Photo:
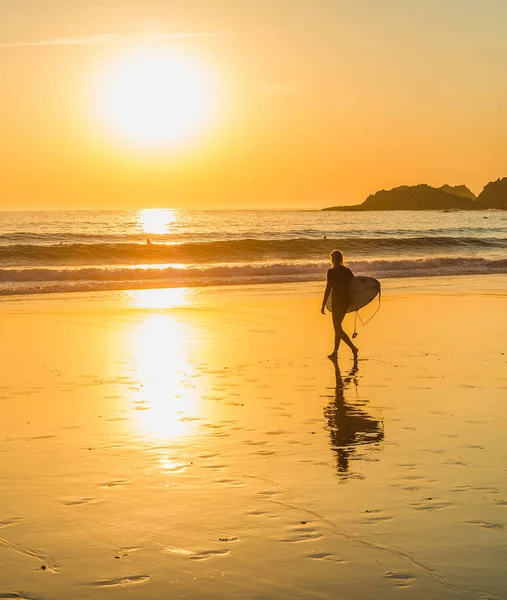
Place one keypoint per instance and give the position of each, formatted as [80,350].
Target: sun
[157,98]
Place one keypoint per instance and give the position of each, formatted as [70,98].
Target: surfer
[338,281]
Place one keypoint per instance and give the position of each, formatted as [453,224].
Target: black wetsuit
[339,278]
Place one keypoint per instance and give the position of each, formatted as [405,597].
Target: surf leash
[363,323]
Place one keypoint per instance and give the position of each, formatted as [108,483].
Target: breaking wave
[42,280]
[243,250]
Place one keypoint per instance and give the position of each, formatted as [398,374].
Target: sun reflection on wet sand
[161,298]
[165,403]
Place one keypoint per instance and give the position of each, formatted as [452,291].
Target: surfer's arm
[327,291]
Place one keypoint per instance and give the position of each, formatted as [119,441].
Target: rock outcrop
[415,197]
[494,195]
[426,197]
[458,190]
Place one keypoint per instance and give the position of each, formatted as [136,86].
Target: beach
[197,443]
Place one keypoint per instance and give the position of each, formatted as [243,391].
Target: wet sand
[199,444]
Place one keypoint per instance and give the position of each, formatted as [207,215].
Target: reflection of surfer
[348,425]
[338,281]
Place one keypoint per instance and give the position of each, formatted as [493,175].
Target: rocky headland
[426,197]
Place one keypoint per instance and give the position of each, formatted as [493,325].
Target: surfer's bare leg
[338,316]
[349,343]
[338,330]
[337,339]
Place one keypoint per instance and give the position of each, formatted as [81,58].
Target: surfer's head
[336,258]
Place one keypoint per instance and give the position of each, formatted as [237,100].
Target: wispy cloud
[107,38]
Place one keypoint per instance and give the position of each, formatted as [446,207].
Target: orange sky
[320,101]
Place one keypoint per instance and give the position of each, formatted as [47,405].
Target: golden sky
[311,102]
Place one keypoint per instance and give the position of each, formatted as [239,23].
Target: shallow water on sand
[199,445]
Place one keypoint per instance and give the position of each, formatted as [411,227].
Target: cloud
[107,38]
[82,41]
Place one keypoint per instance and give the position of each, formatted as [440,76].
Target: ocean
[42,252]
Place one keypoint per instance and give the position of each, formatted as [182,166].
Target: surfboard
[362,291]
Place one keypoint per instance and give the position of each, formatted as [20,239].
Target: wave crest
[36,280]
[244,250]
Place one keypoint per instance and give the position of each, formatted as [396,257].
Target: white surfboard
[362,291]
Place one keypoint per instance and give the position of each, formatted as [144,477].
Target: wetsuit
[339,278]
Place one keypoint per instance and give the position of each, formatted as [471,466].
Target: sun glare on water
[157,98]
[156,220]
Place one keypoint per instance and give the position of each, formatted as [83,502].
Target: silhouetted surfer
[338,282]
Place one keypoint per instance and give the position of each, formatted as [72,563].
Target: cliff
[458,190]
[415,197]
[426,197]
[494,195]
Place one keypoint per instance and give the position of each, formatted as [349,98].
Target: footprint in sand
[216,467]
[7,522]
[375,516]
[326,556]
[231,482]
[475,488]
[255,443]
[127,551]
[457,463]
[114,483]
[486,525]
[268,493]
[430,504]
[121,582]
[302,532]
[257,513]
[204,555]
[79,501]
[399,579]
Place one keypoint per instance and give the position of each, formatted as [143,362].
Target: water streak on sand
[382,548]
[46,560]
